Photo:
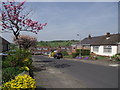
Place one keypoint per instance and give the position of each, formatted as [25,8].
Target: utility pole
[80,44]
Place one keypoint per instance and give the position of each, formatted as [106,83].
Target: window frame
[96,48]
[107,49]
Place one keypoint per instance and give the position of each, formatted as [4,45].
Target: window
[107,49]
[63,48]
[96,48]
[45,48]
[39,48]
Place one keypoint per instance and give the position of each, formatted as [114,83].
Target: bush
[27,62]
[16,58]
[116,57]
[74,55]
[10,73]
[68,56]
[83,52]
[64,53]
[20,82]
[118,54]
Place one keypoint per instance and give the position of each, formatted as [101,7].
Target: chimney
[108,34]
[89,36]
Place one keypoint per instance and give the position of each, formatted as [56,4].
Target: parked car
[58,55]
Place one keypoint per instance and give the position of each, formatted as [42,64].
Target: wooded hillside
[57,43]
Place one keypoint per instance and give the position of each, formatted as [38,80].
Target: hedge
[83,52]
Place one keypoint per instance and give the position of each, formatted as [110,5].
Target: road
[74,74]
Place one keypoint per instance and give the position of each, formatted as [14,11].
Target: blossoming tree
[25,41]
[14,20]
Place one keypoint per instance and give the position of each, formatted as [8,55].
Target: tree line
[57,43]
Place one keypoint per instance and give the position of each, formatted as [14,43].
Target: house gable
[112,39]
[4,45]
[106,45]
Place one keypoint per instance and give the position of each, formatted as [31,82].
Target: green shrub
[6,63]
[27,62]
[16,58]
[9,73]
[116,57]
[83,52]
[74,55]
[68,56]
[118,54]
[65,53]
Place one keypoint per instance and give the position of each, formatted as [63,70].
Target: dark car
[58,55]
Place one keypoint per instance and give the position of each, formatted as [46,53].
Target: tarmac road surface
[60,73]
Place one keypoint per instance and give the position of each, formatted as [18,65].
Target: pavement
[105,62]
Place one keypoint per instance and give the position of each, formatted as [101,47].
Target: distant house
[106,45]
[4,45]
[41,50]
[65,48]
[74,47]
[46,50]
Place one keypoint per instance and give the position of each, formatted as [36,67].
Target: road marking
[114,65]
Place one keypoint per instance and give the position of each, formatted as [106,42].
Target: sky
[67,19]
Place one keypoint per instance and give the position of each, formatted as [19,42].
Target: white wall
[101,49]
[118,48]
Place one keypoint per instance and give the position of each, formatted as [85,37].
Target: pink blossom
[39,28]
[44,24]
[11,8]
[8,6]
[22,3]
[5,6]
[3,2]
[12,13]
[34,22]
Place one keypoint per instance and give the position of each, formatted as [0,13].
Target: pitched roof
[3,40]
[112,39]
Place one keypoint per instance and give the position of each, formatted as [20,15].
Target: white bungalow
[105,45]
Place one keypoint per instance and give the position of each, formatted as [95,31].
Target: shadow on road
[43,61]
[40,68]
[61,65]
[40,88]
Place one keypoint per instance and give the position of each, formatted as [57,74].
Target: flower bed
[85,58]
[15,63]
[20,82]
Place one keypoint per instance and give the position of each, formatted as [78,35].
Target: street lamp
[80,44]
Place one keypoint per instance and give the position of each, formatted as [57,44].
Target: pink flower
[5,6]
[3,2]
[22,3]
[44,24]
[19,20]
[11,8]
[39,28]
[8,6]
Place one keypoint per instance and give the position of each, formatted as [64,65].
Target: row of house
[105,45]
[46,49]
